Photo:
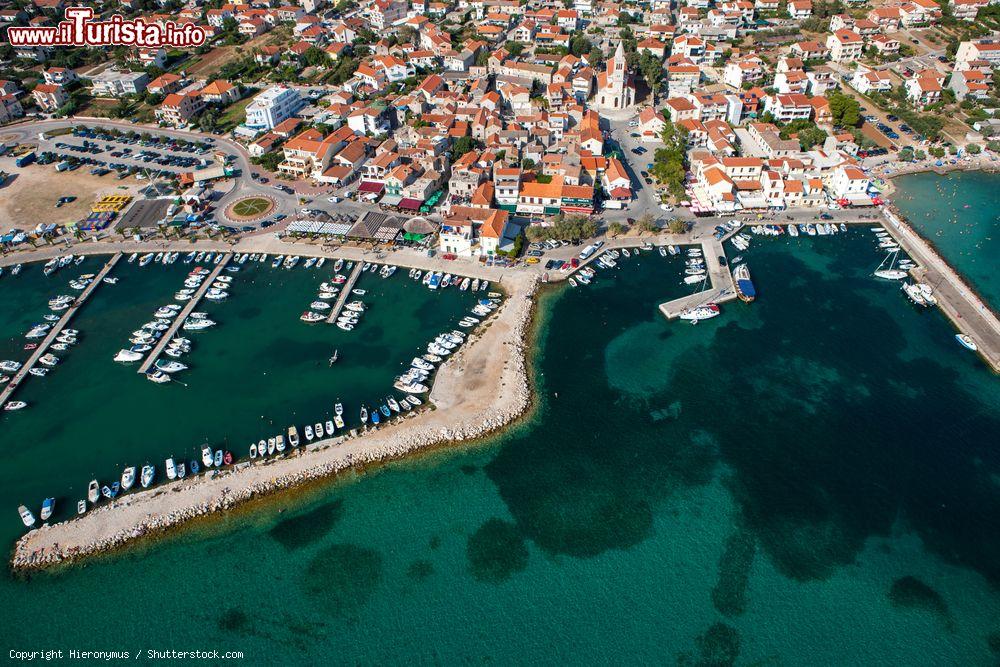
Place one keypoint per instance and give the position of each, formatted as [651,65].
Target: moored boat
[744,286]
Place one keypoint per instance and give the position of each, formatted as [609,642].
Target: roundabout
[250,209]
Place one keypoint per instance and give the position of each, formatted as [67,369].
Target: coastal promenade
[722,288]
[188,308]
[955,299]
[15,381]
[345,292]
[482,387]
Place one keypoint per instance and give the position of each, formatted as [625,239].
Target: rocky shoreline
[154,512]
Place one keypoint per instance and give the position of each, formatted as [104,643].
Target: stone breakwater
[482,388]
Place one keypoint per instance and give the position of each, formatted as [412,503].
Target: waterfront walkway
[188,308]
[345,292]
[721,279]
[955,299]
[15,381]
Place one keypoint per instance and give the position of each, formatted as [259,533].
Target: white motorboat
[170,366]
[127,356]
[148,473]
[271,445]
[159,377]
[410,387]
[319,305]
[10,406]
[699,313]
[93,491]
[171,469]
[128,478]
[27,518]
[329,427]
[308,430]
[310,316]
[197,324]
[206,456]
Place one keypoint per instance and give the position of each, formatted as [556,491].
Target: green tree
[462,146]
[846,110]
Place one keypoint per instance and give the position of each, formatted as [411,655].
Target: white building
[272,107]
[112,83]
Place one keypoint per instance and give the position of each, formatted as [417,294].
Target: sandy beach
[477,391]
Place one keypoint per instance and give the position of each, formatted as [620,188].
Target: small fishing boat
[48,506]
[279,444]
[270,446]
[253,450]
[218,458]
[148,473]
[27,518]
[128,478]
[93,491]
[364,414]
[81,506]
[293,436]
[181,470]
[206,456]
[308,430]
[171,469]
[227,457]
[329,427]
[194,467]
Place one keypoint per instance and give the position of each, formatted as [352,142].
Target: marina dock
[345,293]
[721,278]
[39,351]
[154,354]
[955,299]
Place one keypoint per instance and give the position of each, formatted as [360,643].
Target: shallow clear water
[958,213]
[810,479]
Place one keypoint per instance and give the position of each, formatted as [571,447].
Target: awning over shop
[391,200]
[371,186]
[410,204]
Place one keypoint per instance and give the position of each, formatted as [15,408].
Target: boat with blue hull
[744,286]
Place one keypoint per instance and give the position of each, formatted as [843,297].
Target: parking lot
[126,154]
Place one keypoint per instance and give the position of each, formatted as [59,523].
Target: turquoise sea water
[958,213]
[808,480]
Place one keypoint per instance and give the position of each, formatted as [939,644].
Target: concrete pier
[721,278]
[955,299]
[345,292]
[188,308]
[15,381]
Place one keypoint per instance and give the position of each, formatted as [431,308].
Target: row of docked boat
[328,291]
[160,258]
[351,315]
[439,280]
[130,476]
[56,263]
